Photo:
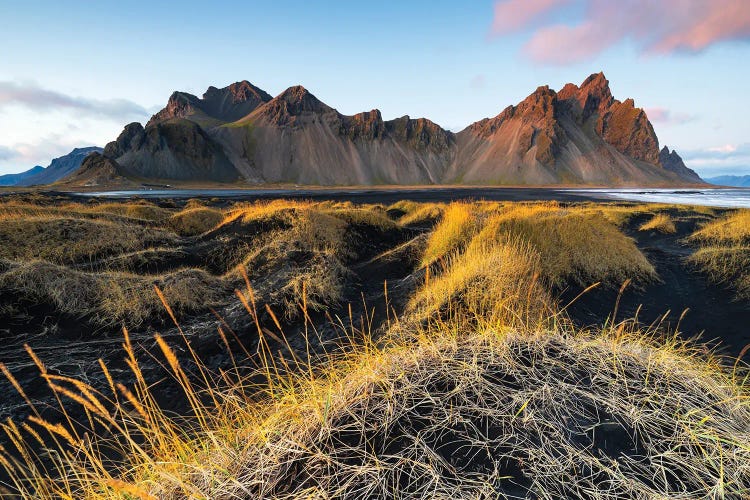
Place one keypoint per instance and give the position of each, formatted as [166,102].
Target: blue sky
[74,73]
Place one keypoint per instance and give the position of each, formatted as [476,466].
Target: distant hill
[57,169]
[580,135]
[15,179]
[730,180]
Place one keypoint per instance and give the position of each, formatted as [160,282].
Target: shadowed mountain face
[579,135]
[673,162]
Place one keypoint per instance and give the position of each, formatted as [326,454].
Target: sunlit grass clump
[464,408]
[724,251]
[660,223]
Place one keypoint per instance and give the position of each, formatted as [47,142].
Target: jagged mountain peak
[218,105]
[672,162]
[300,99]
[241,91]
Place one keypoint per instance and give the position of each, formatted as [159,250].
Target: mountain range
[730,180]
[579,135]
[57,169]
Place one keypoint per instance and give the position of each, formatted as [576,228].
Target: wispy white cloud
[719,160]
[664,26]
[21,155]
[34,97]
[725,149]
[665,116]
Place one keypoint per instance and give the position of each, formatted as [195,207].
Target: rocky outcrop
[673,162]
[177,149]
[580,135]
[98,170]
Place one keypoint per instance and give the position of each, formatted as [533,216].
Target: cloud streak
[44,100]
[667,117]
[720,160]
[654,27]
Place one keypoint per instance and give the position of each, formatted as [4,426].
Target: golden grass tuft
[661,223]
[724,251]
[454,229]
[731,229]
[572,245]
[418,214]
[726,265]
[195,221]
[496,280]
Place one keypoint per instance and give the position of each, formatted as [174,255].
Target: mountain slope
[297,138]
[673,162]
[580,135]
[16,179]
[176,149]
[57,169]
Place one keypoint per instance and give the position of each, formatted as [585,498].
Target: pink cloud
[667,117]
[652,26]
[515,15]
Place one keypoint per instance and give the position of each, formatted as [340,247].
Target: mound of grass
[729,266]
[573,246]
[308,249]
[484,411]
[417,214]
[454,229]
[724,251]
[141,211]
[195,221]
[661,223]
[490,279]
[67,240]
[732,229]
[110,298]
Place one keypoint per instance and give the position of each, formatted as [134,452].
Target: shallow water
[729,198]
[713,197]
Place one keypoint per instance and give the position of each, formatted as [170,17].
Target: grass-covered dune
[474,382]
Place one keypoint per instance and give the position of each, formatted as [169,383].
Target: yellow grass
[454,229]
[726,265]
[412,415]
[731,229]
[70,239]
[111,297]
[724,251]
[195,221]
[573,245]
[481,389]
[661,223]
